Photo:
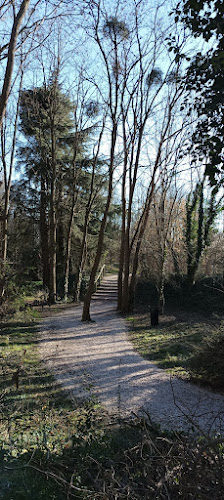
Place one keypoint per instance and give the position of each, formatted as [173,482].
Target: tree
[95,187]
[21,21]
[205,77]
[200,216]
[10,48]
[46,122]
[163,248]
[147,90]
[116,32]
[7,182]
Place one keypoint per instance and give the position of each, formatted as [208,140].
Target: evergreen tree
[45,115]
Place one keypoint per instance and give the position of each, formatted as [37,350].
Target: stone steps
[107,289]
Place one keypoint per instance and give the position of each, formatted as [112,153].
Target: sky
[69,39]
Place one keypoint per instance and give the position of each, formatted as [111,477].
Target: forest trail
[97,359]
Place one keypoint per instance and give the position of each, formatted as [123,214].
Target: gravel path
[97,358]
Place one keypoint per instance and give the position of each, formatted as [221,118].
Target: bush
[205,295]
[207,362]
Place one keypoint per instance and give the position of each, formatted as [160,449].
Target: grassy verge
[52,449]
[190,346]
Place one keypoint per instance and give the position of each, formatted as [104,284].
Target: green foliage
[186,344]
[205,296]
[200,216]
[54,449]
[205,77]
[206,363]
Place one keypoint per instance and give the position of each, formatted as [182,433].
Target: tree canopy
[205,77]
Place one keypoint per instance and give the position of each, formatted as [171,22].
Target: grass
[54,449]
[179,344]
[35,415]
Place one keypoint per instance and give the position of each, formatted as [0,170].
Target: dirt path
[97,358]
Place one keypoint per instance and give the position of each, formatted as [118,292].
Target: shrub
[207,362]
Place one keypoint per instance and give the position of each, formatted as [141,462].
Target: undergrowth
[191,348]
[52,448]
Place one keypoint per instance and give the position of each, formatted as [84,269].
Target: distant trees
[45,115]
[163,251]
[201,212]
[117,118]
[180,230]
[54,160]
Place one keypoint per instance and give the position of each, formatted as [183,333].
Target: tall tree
[146,90]
[110,34]
[46,122]
[200,215]
[7,182]
[10,49]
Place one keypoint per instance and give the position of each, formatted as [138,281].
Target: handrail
[98,278]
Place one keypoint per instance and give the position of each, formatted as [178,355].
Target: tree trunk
[53,222]
[67,257]
[10,58]
[139,242]
[86,306]
[68,247]
[44,236]
[81,262]
[4,244]
[122,247]
[7,189]
[82,256]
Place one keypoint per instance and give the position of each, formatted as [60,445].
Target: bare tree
[7,181]
[148,93]
[107,29]
[10,48]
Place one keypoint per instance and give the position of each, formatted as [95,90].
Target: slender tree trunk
[82,256]
[44,235]
[4,245]
[60,230]
[7,189]
[127,247]
[122,247]
[123,203]
[121,268]
[130,303]
[68,247]
[10,58]
[81,261]
[139,241]
[86,306]
[53,222]
[67,258]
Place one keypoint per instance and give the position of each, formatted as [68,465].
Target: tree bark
[7,189]
[10,58]
[53,222]
[81,263]
[86,306]
[44,234]
[68,246]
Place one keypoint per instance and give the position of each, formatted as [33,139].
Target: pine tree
[45,115]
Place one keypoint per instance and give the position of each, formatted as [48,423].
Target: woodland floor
[97,360]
